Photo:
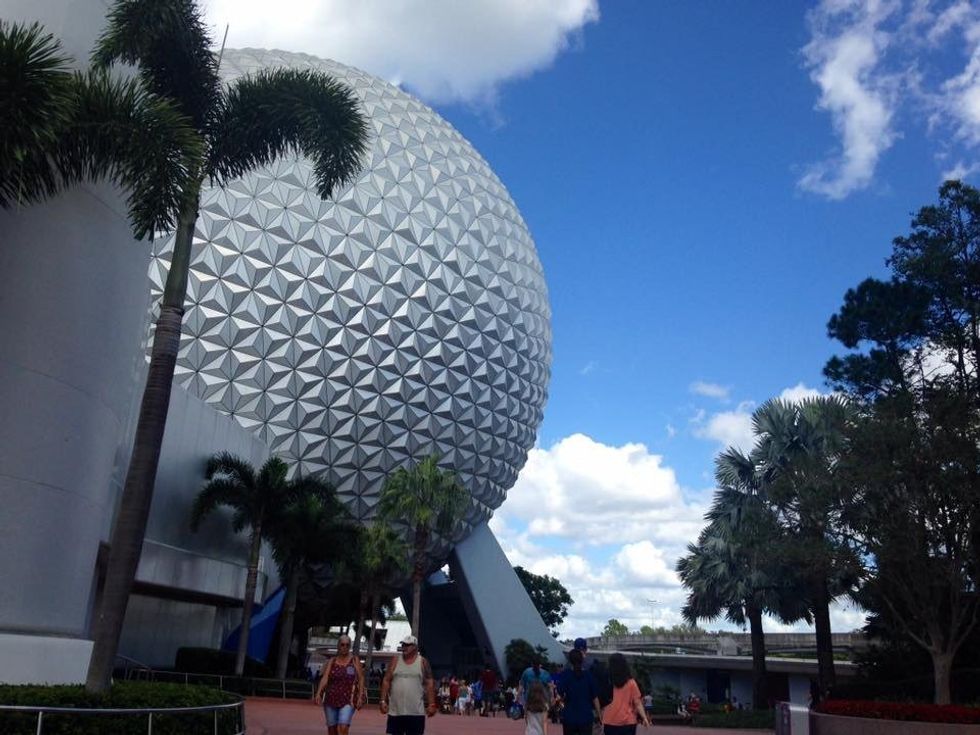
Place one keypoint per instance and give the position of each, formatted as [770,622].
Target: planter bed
[844,717]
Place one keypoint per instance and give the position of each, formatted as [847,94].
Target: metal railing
[129,665]
[250,686]
[237,708]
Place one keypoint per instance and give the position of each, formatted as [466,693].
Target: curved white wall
[72,313]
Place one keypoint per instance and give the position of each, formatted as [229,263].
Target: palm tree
[59,127]
[311,527]
[385,560]
[427,499]
[793,466]
[349,572]
[235,130]
[255,497]
[734,569]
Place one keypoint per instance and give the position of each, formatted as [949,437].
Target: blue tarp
[263,627]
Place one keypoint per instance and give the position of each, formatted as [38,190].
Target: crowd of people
[481,694]
[584,696]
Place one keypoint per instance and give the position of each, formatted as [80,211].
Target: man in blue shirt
[577,688]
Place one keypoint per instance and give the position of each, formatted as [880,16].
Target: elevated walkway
[726,644]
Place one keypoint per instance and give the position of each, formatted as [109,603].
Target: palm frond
[219,491]
[274,112]
[139,141]
[35,109]
[58,128]
[272,475]
[226,463]
[736,469]
[169,43]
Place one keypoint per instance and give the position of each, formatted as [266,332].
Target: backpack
[600,672]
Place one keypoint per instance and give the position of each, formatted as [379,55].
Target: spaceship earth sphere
[408,315]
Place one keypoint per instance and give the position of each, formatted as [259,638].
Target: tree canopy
[913,371]
[549,596]
[427,499]
[519,654]
[615,627]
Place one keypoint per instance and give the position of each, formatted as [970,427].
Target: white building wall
[72,311]
[799,689]
[741,687]
[156,628]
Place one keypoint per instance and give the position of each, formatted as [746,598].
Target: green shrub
[748,719]
[519,654]
[663,707]
[215,661]
[121,695]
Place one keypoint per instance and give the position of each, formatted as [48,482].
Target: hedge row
[121,695]
[948,713]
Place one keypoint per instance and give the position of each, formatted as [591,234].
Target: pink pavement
[297,717]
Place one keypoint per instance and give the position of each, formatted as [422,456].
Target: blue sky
[703,182]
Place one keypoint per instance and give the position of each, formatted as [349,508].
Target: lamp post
[653,610]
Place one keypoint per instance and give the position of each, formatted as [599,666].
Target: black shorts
[567,729]
[405,725]
[619,729]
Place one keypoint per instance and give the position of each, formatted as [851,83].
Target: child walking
[536,709]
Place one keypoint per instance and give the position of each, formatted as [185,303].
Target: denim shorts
[339,715]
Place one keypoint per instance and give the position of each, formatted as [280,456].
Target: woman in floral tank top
[341,689]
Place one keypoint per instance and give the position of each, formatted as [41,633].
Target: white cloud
[734,428]
[960,170]
[730,428]
[588,368]
[960,97]
[709,390]
[643,564]
[956,15]
[594,494]
[609,522]
[798,392]
[844,53]
[879,63]
[445,50]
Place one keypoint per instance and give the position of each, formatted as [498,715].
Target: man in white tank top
[408,691]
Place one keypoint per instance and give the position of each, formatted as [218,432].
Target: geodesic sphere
[409,315]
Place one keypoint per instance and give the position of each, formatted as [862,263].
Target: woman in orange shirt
[621,716]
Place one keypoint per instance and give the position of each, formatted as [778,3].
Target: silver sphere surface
[408,315]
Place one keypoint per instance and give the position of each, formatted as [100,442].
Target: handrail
[40,711]
[246,684]
[120,710]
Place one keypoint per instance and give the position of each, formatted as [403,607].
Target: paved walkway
[295,717]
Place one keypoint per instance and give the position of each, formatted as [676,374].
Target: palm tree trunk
[416,604]
[375,602]
[825,643]
[129,527]
[359,626]
[251,582]
[760,693]
[288,616]
[421,543]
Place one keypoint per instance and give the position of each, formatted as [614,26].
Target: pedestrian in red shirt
[490,683]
